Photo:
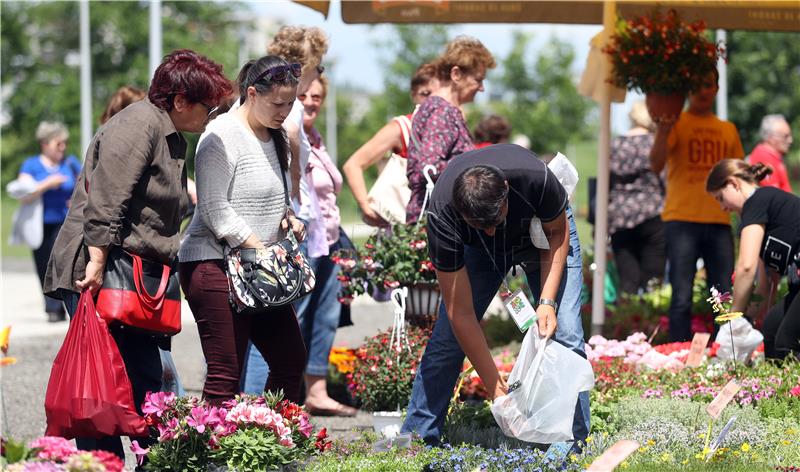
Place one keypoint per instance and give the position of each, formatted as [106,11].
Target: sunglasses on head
[280,73]
[320,69]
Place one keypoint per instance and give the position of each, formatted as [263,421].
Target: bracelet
[547,301]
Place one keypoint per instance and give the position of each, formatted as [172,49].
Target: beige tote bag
[390,194]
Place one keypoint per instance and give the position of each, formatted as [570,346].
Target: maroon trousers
[224,335]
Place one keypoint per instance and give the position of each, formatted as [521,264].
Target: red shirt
[768,156]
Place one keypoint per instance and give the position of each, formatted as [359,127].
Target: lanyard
[505,262]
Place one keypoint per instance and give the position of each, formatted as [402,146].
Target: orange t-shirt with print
[695,144]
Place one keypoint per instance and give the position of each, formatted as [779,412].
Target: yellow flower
[588,440]
[686,461]
[650,442]
[745,447]
[666,457]
[786,442]
[4,334]
[791,431]
[736,453]
[624,464]
[643,449]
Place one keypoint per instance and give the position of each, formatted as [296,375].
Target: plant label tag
[698,349]
[520,309]
[722,434]
[722,399]
[613,456]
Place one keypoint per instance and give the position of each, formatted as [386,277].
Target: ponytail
[725,169]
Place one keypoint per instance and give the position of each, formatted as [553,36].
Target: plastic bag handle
[153,302]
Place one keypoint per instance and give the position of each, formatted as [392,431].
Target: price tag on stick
[613,456]
[698,349]
[722,399]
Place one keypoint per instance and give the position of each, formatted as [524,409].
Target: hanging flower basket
[663,57]
[664,107]
[422,305]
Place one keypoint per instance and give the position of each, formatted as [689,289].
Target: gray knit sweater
[239,191]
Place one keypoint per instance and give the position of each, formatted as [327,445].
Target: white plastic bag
[745,340]
[542,408]
[567,175]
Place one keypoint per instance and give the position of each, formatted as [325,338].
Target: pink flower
[306,428]
[138,452]
[157,403]
[261,415]
[168,431]
[286,441]
[110,461]
[53,448]
[198,419]
[240,413]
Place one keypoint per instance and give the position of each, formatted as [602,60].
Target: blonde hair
[303,44]
[726,169]
[639,115]
[50,130]
[123,97]
[466,53]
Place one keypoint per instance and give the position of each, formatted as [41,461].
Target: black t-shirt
[779,212]
[533,191]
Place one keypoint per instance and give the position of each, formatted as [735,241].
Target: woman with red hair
[134,170]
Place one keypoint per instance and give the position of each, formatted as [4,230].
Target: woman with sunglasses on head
[240,169]
[439,131]
[769,248]
[130,196]
[391,138]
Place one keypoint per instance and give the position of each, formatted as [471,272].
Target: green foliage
[763,78]
[359,455]
[40,50]
[539,98]
[252,449]
[190,455]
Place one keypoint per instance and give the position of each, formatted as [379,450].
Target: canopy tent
[720,14]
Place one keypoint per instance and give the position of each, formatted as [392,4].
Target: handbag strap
[154,302]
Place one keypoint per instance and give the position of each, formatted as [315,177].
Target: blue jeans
[443,358]
[685,243]
[318,315]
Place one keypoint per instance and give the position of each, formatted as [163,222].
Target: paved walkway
[35,342]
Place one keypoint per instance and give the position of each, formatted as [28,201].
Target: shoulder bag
[274,276]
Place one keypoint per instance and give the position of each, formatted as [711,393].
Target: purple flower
[306,428]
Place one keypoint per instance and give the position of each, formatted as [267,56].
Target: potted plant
[382,376]
[389,259]
[663,57]
[247,433]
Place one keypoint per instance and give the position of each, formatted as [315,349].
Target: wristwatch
[547,301]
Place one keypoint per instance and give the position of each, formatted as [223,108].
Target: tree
[763,78]
[539,98]
[40,51]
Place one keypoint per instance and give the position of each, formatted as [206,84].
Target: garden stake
[463,376]
[708,435]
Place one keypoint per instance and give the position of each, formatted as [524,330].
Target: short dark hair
[423,75]
[479,194]
[492,129]
[184,72]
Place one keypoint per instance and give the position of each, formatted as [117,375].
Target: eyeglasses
[320,69]
[211,110]
[280,73]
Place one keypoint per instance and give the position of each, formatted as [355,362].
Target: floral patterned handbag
[273,276]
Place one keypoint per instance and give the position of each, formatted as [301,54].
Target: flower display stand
[422,308]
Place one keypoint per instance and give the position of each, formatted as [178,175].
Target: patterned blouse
[636,194]
[438,134]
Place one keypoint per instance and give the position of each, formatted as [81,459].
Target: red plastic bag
[89,394]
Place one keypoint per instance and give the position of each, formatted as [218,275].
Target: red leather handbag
[125,296]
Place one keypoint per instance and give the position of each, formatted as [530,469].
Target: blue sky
[351,45]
